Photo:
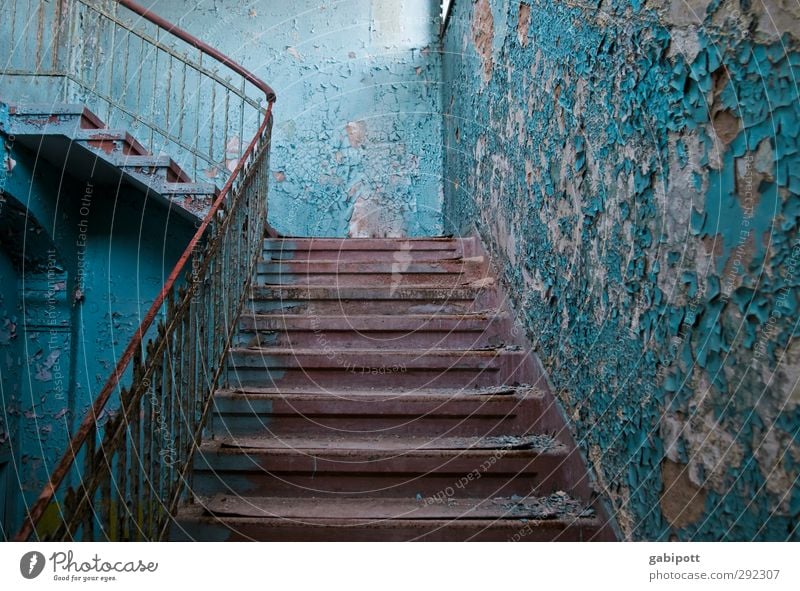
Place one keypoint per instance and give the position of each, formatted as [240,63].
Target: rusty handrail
[201,45]
[90,422]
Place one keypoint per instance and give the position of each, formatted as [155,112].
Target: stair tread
[541,444]
[382,393]
[555,506]
[340,261]
[485,315]
[354,291]
[315,351]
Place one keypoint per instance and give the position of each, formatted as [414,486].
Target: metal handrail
[238,178]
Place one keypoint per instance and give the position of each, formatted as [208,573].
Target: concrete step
[455,412]
[154,167]
[329,368]
[110,141]
[552,518]
[362,249]
[49,116]
[354,300]
[388,466]
[429,331]
[359,273]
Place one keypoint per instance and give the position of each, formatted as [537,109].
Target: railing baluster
[89,455]
[135,467]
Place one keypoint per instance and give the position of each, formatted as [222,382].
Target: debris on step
[556,506]
[537,442]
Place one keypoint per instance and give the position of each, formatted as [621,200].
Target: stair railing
[137,71]
[127,465]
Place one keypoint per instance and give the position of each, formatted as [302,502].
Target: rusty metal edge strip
[90,420]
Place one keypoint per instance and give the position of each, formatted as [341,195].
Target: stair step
[395,274]
[362,249]
[110,141]
[49,114]
[555,506]
[161,167]
[310,267]
[435,412]
[344,244]
[454,331]
[354,300]
[373,466]
[373,367]
[194,522]
[383,443]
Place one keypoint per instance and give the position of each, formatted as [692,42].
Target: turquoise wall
[635,169]
[80,264]
[357,137]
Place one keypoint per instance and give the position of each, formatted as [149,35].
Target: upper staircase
[77,141]
[376,392]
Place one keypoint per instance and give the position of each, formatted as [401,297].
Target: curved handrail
[201,45]
[89,422]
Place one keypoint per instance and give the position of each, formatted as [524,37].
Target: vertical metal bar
[182,102]
[110,91]
[212,117]
[155,443]
[96,60]
[179,382]
[56,48]
[125,65]
[225,133]
[139,76]
[241,118]
[166,426]
[153,101]
[196,146]
[88,524]
[168,99]
[136,466]
[39,38]
[147,449]
[121,483]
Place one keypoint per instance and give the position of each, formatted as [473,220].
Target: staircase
[74,139]
[376,392]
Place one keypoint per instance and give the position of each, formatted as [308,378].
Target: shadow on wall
[636,172]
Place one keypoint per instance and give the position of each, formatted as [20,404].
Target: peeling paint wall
[357,139]
[79,269]
[635,168]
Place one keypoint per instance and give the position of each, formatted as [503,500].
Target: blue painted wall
[80,264]
[357,138]
[635,169]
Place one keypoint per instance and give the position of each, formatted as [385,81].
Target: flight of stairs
[74,139]
[376,393]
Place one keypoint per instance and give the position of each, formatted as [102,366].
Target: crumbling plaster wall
[357,137]
[634,167]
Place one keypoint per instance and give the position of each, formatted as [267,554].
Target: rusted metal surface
[121,479]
